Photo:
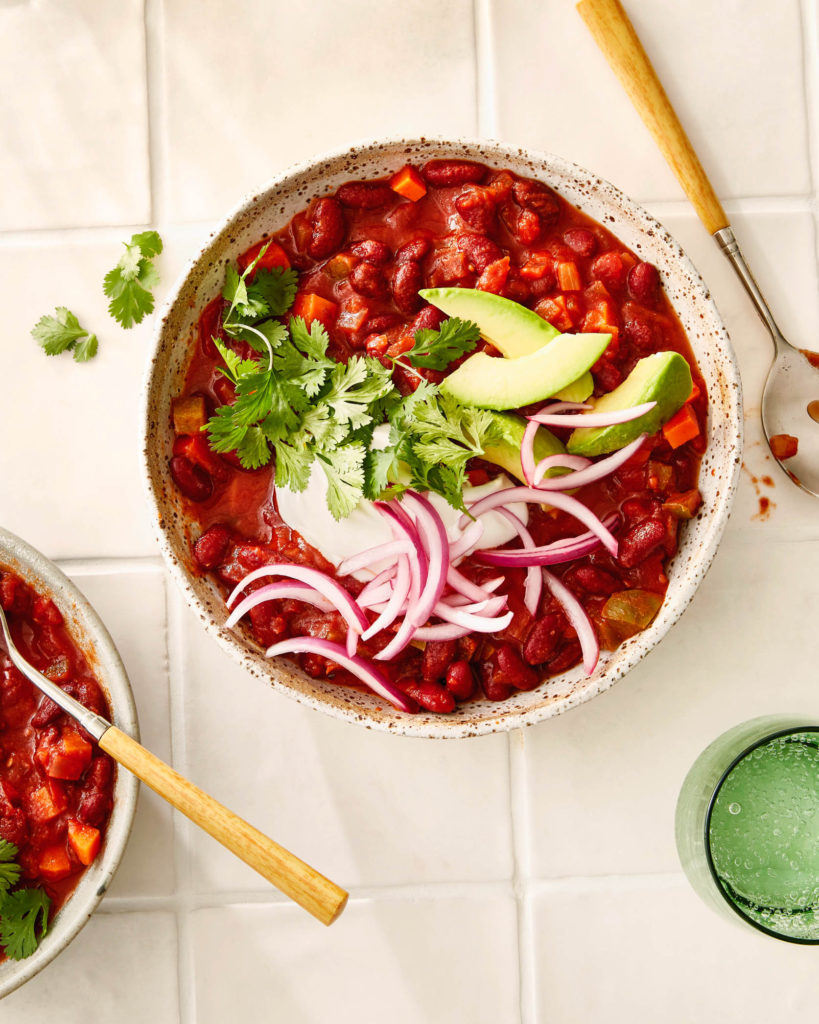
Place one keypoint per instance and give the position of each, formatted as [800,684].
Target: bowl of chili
[367,228]
[65,809]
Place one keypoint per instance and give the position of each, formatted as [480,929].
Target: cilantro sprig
[129,285]
[62,332]
[21,910]
[435,350]
[293,401]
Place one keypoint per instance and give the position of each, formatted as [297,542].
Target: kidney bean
[460,680]
[95,801]
[437,656]
[429,318]
[580,241]
[607,375]
[416,250]
[452,172]
[639,541]
[382,322]
[543,639]
[372,251]
[406,281]
[476,205]
[644,283]
[87,692]
[635,510]
[564,659]
[640,333]
[593,580]
[533,196]
[327,228]
[517,288]
[431,696]
[365,195]
[193,481]
[514,670]
[210,549]
[479,250]
[610,270]
[368,279]
[46,713]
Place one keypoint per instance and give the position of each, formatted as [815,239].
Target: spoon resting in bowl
[303,884]
[790,400]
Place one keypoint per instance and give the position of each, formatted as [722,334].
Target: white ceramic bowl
[268,211]
[93,638]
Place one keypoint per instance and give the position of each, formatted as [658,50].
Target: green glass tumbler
[747,826]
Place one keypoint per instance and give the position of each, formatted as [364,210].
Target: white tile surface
[445,846]
[78,475]
[435,961]
[368,808]
[744,112]
[73,118]
[649,950]
[121,967]
[319,79]
[602,781]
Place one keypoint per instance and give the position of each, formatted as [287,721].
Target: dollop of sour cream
[307,512]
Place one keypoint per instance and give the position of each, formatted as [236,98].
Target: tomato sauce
[56,785]
[363,254]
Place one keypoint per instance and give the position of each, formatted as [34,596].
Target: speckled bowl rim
[95,641]
[291,190]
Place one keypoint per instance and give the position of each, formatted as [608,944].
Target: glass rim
[777,734]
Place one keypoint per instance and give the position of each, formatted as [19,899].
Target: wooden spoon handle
[615,35]
[311,890]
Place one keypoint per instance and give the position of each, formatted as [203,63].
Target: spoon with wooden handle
[311,890]
[790,400]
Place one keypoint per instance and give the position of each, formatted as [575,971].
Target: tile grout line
[809,17]
[153,19]
[184,901]
[519,826]
[485,91]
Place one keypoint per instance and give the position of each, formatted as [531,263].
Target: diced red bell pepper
[408,183]
[84,841]
[312,307]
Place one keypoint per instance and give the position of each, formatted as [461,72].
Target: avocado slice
[492,383]
[513,329]
[664,378]
[506,453]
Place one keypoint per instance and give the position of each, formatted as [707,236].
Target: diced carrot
[340,265]
[274,256]
[46,803]
[568,276]
[682,427]
[537,266]
[55,863]
[189,414]
[596,322]
[695,392]
[70,756]
[408,183]
[555,310]
[313,307]
[628,260]
[84,840]
[784,446]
